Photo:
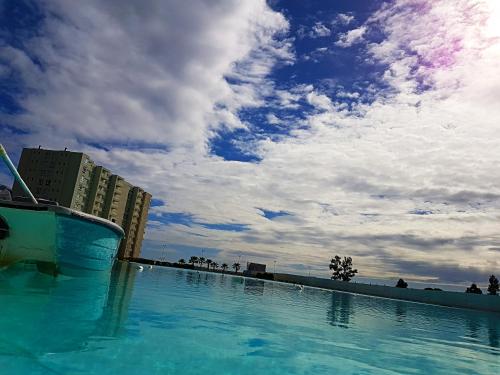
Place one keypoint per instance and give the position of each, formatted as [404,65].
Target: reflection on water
[253,286]
[401,310]
[493,333]
[477,326]
[341,310]
[61,314]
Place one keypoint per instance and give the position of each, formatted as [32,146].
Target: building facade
[73,180]
[254,269]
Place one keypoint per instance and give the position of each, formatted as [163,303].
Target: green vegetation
[342,268]
[211,264]
[474,289]
[493,287]
[401,284]
[236,267]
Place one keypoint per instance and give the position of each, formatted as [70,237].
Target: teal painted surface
[85,244]
[55,238]
[169,321]
[31,236]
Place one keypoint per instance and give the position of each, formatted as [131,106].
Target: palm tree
[193,260]
[215,265]
[201,261]
[224,267]
[181,261]
[236,267]
[208,261]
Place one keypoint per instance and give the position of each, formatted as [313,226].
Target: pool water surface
[172,321]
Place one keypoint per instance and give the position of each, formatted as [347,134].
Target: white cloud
[120,72]
[348,95]
[351,37]
[319,30]
[344,18]
[353,179]
[273,119]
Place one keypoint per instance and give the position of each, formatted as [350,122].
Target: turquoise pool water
[169,321]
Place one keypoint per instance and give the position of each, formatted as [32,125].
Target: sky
[279,132]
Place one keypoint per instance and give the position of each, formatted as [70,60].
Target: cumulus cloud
[351,37]
[352,177]
[118,72]
[344,18]
[319,30]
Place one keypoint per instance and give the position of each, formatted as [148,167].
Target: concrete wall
[442,298]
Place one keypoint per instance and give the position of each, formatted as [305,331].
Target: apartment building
[73,180]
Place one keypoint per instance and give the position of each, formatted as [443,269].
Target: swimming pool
[171,321]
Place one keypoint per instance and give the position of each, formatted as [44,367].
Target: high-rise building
[73,180]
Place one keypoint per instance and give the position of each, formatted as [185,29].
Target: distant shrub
[401,284]
[493,287]
[474,289]
[438,289]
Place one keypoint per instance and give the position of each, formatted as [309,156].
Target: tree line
[211,264]
[342,270]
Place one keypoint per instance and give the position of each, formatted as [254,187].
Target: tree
[493,287]
[215,265]
[401,284]
[342,268]
[236,267]
[193,260]
[224,267]
[201,261]
[474,289]
[208,261]
[181,261]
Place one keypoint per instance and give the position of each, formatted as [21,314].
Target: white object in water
[299,287]
[150,267]
[140,268]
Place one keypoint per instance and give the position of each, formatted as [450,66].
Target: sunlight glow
[493,23]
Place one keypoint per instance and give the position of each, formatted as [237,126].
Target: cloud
[351,37]
[155,74]
[354,165]
[319,30]
[344,18]
[273,119]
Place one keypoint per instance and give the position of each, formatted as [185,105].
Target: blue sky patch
[421,212]
[268,214]
[226,227]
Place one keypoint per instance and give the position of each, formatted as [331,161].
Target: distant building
[73,180]
[254,268]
